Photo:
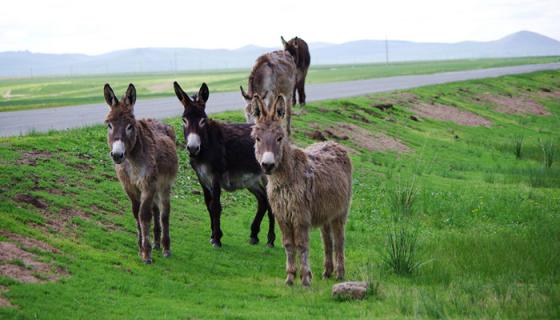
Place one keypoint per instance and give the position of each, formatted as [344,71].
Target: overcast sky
[100,26]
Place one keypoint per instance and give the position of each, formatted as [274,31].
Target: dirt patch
[514,104]
[30,158]
[547,93]
[4,303]
[396,98]
[27,198]
[24,266]
[28,243]
[8,95]
[159,87]
[360,137]
[447,113]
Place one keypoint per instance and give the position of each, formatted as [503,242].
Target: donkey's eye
[258,139]
[202,122]
[129,128]
[279,139]
[109,126]
[186,122]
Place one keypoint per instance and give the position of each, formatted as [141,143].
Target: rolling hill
[25,63]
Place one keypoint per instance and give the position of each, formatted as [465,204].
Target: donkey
[273,73]
[300,51]
[223,157]
[309,187]
[146,164]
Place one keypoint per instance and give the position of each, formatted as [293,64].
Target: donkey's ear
[129,98]
[258,109]
[279,106]
[244,94]
[203,93]
[284,43]
[181,95]
[110,97]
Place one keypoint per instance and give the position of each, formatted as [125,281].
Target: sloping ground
[487,224]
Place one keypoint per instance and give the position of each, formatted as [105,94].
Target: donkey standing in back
[146,164]
[273,74]
[223,156]
[309,187]
[300,51]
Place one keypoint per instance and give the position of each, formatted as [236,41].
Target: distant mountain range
[25,63]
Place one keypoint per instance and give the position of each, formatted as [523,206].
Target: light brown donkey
[273,74]
[306,188]
[146,164]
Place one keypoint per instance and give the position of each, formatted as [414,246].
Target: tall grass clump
[401,251]
[549,151]
[517,145]
[402,199]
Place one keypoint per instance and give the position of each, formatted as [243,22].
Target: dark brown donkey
[223,157]
[146,164]
[300,51]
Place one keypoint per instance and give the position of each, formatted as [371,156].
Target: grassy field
[19,94]
[482,215]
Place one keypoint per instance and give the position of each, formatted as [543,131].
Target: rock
[316,135]
[350,290]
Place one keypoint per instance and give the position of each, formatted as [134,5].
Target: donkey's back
[330,172]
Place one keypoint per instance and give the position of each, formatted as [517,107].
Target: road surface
[41,120]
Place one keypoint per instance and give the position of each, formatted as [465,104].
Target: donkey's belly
[240,181]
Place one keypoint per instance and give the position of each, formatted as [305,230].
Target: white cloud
[101,25]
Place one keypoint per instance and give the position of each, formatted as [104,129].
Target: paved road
[41,120]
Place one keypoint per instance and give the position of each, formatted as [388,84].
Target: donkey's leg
[208,201]
[326,234]
[135,201]
[261,209]
[338,232]
[216,212]
[271,233]
[301,236]
[165,213]
[157,228]
[290,249]
[301,92]
[146,207]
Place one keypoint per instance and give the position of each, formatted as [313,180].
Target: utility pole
[386,50]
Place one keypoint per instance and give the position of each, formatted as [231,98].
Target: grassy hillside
[486,222]
[19,94]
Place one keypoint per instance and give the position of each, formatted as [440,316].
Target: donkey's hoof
[166,253]
[327,274]
[148,261]
[253,241]
[270,244]
[216,243]
[156,246]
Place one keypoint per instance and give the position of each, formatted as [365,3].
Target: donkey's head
[250,108]
[121,124]
[292,47]
[268,132]
[194,117]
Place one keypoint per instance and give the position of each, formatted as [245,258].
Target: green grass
[487,231]
[45,92]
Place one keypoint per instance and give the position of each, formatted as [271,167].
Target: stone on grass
[350,290]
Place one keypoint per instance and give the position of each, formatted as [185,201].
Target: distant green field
[483,205]
[19,94]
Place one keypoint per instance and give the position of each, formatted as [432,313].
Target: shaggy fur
[309,187]
[146,168]
[300,51]
[273,74]
[224,159]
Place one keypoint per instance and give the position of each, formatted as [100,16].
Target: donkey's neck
[288,167]
[139,152]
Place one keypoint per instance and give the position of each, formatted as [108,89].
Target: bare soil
[514,104]
[23,266]
[30,158]
[447,113]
